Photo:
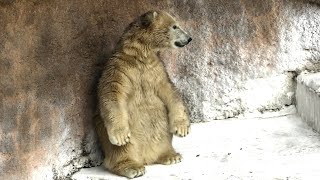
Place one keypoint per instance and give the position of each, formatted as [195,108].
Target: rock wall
[244,55]
[243,58]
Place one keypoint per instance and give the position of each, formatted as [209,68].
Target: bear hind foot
[128,169]
[170,158]
[134,172]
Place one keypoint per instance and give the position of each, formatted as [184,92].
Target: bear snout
[183,43]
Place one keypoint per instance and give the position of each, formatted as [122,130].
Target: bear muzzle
[182,43]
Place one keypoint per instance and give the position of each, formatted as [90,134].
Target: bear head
[157,30]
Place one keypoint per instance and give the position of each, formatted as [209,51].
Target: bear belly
[148,117]
[148,121]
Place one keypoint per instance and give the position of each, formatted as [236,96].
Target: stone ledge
[311,80]
[255,148]
[308,99]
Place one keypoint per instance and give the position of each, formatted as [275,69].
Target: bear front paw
[119,136]
[181,129]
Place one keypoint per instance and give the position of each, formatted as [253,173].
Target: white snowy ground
[265,148]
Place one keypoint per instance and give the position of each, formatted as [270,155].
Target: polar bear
[139,107]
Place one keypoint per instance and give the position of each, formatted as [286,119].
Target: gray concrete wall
[241,60]
[308,99]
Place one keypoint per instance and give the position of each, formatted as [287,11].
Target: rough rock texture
[245,54]
[310,80]
[242,59]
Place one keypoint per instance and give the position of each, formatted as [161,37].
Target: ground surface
[254,148]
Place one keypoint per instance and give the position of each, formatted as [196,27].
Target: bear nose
[189,40]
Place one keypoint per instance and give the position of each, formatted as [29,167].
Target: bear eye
[174,27]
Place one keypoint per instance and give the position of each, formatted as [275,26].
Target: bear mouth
[179,44]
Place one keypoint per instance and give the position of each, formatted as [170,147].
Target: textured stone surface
[244,47]
[51,52]
[310,80]
[308,98]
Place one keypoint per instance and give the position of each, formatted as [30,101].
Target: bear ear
[148,18]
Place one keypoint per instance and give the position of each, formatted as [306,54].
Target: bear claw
[171,159]
[181,130]
[120,137]
[134,172]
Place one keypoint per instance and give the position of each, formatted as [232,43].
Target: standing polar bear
[139,108]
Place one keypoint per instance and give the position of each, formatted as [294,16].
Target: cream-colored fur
[139,108]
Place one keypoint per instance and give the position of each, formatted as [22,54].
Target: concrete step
[308,98]
[255,148]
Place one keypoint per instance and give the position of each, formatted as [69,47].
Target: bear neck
[138,49]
